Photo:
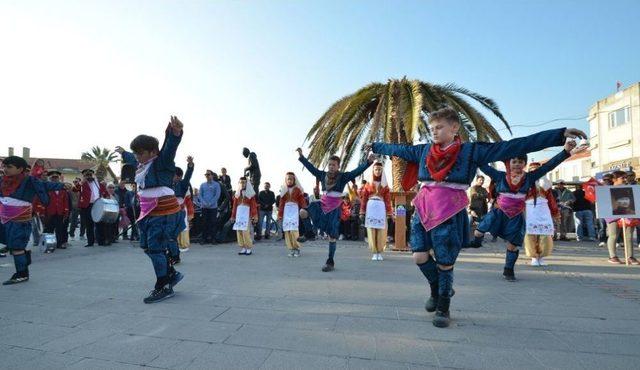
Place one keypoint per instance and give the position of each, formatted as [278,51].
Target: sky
[74,74]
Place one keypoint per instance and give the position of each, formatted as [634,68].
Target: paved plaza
[82,309]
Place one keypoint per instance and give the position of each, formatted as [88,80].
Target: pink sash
[329,203]
[9,213]
[436,204]
[511,206]
[147,205]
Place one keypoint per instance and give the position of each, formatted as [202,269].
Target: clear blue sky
[259,73]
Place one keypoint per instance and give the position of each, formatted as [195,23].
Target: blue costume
[329,222]
[159,233]
[497,222]
[15,234]
[447,238]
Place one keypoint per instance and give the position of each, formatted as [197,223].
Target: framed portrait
[621,201]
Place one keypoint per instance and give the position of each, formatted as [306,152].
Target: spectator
[225,180]
[479,196]
[583,216]
[564,198]
[607,180]
[209,196]
[615,226]
[266,199]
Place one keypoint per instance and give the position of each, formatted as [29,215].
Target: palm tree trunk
[398,166]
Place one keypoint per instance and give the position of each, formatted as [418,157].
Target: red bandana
[440,161]
[11,183]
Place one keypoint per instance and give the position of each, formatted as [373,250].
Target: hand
[371,158]
[574,132]
[579,149]
[569,145]
[120,149]
[190,161]
[299,150]
[176,125]
[367,147]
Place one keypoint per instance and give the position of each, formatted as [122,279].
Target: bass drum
[105,210]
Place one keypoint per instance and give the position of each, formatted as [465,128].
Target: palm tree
[396,112]
[101,158]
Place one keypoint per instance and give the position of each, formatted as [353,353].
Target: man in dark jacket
[266,199]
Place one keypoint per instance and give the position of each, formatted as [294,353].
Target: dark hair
[243,178]
[290,173]
[145,142]
[267,183]
[179,171]
[524,158]
[618,174]
[17,162]
[479,177]
[334,158]
[445,114]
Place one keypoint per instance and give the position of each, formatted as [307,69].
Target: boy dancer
[245,199]
[181,187]
[376,193]
[326,213]
[291,201]
[17,191]
[160,219]
[440,226]
[507,220]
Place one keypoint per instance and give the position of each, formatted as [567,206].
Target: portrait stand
[621,202]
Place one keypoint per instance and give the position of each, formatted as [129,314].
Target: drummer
[90,191]
[160,218]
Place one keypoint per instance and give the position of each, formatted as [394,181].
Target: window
[619,117]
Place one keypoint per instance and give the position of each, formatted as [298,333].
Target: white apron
[290,218]
[538,217]
[376,217]
[242,218]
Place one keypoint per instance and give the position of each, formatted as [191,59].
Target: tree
[396,112]
[101,158]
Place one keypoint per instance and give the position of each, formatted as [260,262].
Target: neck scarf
[440,161]
[11,183]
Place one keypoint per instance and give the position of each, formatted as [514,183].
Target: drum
[48,242]
[105,210]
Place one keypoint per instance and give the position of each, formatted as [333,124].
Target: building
[70,168]
[576,168]
[614,124]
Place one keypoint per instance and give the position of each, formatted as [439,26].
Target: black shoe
[62,246]
[432,302]
[49,250]
[18,277]
[301,239]
[176,278]
[508,274]
[441,319]
[158,295]
[328,266]
[89,245]
[3,255]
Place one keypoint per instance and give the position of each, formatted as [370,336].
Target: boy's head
[178,174]
[479,180]
[290,179]
[517,164]
[145,147]
[444,125]
[14,165]
[334,164]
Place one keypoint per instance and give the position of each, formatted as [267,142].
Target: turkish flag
[589,189]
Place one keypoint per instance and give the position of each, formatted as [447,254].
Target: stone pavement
[83,310]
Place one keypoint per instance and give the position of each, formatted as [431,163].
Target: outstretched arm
[492,152]
[411,153]
[314,171]
[127,157]
[495,175]
[351,175]
[187,175]
[172,138]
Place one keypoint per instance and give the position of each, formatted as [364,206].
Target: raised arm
[411,153]
[351,175]
[187,175]
[492,152]
[314,171]
[495,175]
[548,166]
[172,138]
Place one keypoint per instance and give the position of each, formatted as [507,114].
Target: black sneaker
[158,295]
[88,245]
[176,278]
[432,302]
[302,239]
[17,278]
[509,275]
[441,318]
[328,266]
